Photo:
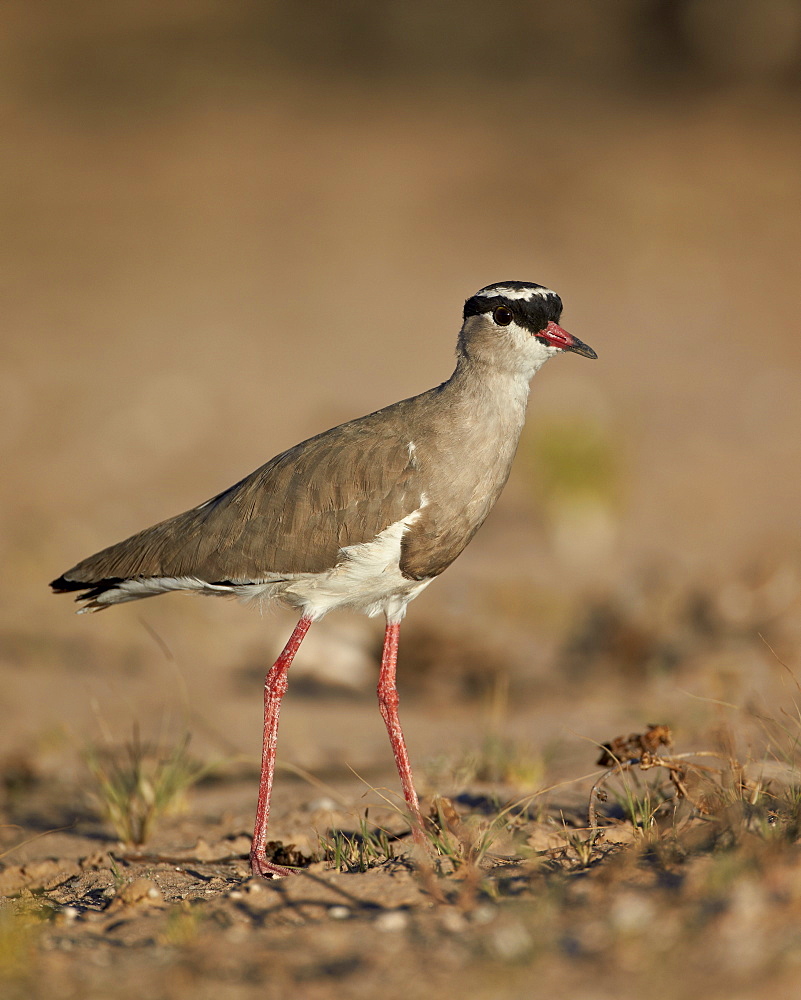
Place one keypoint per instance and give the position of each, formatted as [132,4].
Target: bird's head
[515,325]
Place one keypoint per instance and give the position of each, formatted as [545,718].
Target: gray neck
[476,426]
[473,423]
[488,401]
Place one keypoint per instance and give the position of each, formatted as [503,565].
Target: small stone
[453,921]
[323,804]
[483,915]
[391,921]
[338,912]
[632,913]
[511,942]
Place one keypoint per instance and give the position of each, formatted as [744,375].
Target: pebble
[453,921]
[483,915]
[511,942]
[632,913]
[324,804]
[391,921]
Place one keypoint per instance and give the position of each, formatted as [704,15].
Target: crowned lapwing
[362,516]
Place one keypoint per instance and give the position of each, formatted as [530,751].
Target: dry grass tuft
[369,847]
[138,783]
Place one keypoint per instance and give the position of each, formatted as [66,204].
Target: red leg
[275,686]
[388,703]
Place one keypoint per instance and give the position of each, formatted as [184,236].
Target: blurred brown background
[227,226]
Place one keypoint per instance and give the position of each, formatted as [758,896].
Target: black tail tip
[63,586]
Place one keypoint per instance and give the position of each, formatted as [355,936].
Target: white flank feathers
[367,579]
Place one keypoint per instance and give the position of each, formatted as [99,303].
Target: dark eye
[502,315]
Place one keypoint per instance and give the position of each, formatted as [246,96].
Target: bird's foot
[260,866]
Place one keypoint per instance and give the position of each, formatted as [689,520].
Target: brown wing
[290,516]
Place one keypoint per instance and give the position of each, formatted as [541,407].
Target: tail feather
[86,591]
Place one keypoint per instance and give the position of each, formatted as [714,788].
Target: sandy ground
[188,292]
